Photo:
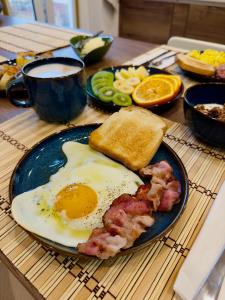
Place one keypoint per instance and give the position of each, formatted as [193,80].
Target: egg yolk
[77,200]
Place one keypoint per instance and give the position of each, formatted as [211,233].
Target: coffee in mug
[53,70]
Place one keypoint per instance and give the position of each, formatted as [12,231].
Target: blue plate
[45,159]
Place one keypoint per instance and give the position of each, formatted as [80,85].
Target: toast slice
[131,136]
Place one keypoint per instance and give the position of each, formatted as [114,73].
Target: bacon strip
[130,215]
[165,189]
[124,222]
[102,244]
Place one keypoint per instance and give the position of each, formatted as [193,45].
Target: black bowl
[111,107]
[209,130]
[96,54]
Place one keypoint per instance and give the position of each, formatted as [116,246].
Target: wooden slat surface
[35,37]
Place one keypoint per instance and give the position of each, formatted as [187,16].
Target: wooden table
[122,50]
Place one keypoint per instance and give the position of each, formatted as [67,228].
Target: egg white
[34,211]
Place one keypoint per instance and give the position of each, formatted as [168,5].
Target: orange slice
[172,78]
[153,91]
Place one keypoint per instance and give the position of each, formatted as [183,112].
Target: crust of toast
[131,136]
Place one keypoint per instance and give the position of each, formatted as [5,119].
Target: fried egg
[72,203]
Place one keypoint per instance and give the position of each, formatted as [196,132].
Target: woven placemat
[147,274]
[35,37]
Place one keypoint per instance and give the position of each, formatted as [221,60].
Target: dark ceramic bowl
[111,107]
[46,158]
[209,130]
[96,54]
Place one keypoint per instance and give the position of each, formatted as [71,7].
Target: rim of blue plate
[58,247]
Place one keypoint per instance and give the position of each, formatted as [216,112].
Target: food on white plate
[92,44]
[131,136]
[194,65]
[130,215]
[67,208]
[212,110]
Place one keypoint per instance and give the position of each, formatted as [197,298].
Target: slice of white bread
[131,136]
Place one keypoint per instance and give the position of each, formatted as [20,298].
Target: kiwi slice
[106,93]
[96,86]
[103,82]
[122,99]
[103,75]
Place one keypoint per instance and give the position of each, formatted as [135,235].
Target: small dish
[111,107]
[45,159]
[96,54]
[209,130]
[198,72]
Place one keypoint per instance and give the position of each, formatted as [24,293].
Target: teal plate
[45,159]
[111,107]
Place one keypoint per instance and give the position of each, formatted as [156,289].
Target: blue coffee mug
[55,99]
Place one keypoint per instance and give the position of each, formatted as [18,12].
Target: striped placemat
[146,274]
[37,37]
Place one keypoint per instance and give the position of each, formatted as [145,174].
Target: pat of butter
[92,44]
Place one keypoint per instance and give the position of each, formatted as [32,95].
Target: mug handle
[17,92]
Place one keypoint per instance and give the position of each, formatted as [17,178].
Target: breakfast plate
[208,65]
[46,158]
[95,101]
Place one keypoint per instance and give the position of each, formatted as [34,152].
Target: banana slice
[125,73]
[132,71]
[142,72]
[133,81]
[123,87]
[119,76]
